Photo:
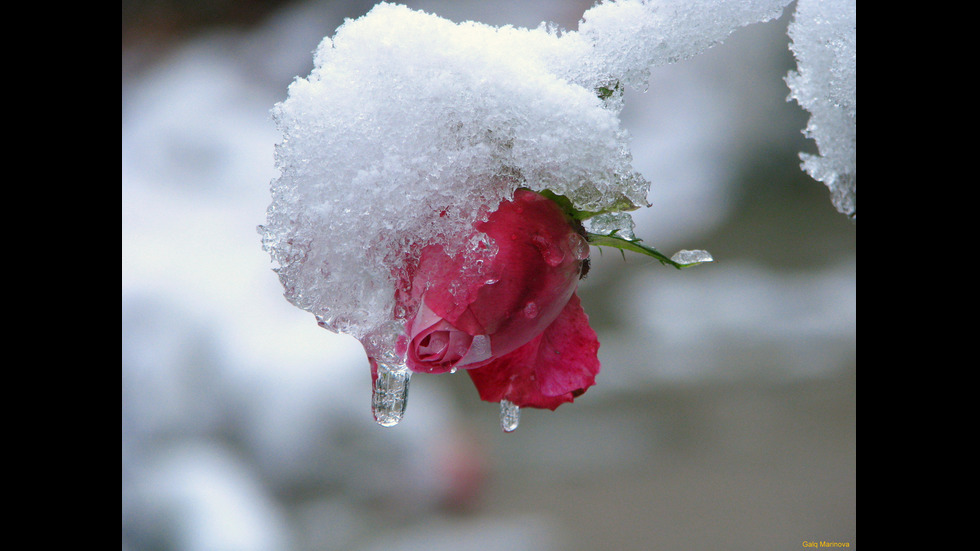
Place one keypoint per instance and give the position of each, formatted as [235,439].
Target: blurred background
[725,414]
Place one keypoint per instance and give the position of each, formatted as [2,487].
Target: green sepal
[636,245]
[621,204]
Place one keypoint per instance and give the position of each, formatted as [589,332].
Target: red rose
[518,328]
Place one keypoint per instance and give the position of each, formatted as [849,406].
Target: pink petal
[436,346]
[555,367]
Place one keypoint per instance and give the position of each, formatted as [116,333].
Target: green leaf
[621,204]
[606,92]
[635,245]
[682,259]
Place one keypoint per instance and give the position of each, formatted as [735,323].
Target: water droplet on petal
[578,246]
[531,310]
[552,254]
[510,415]
[390,395]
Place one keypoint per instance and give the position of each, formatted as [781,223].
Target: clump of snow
[824,40]
[631,37]
[411,127]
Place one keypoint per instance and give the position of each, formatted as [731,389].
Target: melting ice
[510,415]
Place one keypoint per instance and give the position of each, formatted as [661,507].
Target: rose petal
[533,273]
[437,346]
[433,346]
[478,352]
[556,367]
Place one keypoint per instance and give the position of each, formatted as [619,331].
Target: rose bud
[516,325]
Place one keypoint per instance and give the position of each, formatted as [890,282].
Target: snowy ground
[724,415]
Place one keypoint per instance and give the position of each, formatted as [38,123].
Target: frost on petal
[824,40]
[554,368]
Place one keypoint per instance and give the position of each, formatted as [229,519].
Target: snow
[631,37]
[410,127]
[824,34]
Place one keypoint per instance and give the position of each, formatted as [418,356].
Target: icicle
[510,415]
[390,394]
